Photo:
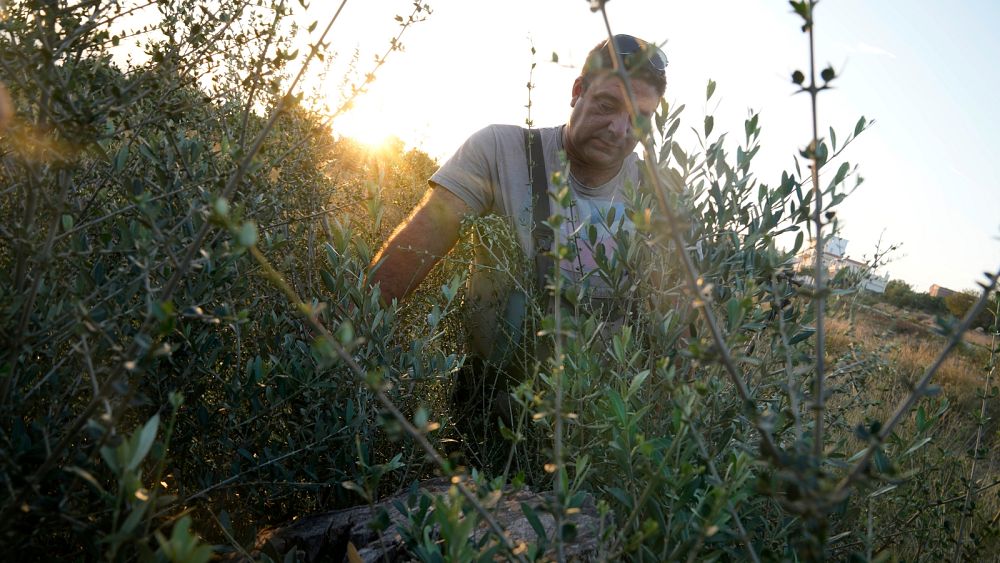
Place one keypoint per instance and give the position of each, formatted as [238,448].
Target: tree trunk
[340,535]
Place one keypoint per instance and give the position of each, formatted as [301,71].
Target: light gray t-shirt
[489,172]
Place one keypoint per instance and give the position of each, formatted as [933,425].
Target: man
[491,174]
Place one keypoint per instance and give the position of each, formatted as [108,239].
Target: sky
[923,70]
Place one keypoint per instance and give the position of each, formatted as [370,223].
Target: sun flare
[366,127]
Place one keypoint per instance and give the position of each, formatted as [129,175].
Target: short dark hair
[643,60]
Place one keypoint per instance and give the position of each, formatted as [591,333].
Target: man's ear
[577,91]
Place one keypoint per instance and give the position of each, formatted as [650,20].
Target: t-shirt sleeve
[471,173]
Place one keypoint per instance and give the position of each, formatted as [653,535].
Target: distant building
[838,264]
[942,292]
[835,246]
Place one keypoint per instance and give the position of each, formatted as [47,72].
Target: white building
[837,263]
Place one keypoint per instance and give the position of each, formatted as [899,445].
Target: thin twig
[256,73]
[819,303]
[229,536]
[793,389]
[692,277]
[979,441]
[326,211]
[253,469]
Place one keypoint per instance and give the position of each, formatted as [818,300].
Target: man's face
[599,133]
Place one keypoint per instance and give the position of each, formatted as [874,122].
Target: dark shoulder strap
[541,234]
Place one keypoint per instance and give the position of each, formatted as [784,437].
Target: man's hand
[418,243]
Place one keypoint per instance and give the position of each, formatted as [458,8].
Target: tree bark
[330,535]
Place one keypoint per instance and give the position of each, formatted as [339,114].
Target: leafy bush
[190,339]
[120,289]
[900,294]
[959,304]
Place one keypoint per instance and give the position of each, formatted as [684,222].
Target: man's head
[643,60]
[599,134]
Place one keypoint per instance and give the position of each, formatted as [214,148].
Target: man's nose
[621,124]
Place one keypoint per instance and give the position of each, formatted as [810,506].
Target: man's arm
[418,243]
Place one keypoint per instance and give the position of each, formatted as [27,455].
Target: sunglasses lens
[657,58]
[636,52]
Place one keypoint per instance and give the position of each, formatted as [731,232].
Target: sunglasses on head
[635,52]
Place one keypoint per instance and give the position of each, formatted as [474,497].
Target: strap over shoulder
[541,234]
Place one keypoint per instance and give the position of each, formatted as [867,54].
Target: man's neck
[591,177]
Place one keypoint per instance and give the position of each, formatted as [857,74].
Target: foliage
[190,341]
[901,294]
[119,290]
[961,302]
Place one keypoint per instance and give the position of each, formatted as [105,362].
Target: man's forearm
[401,265]
[418,243]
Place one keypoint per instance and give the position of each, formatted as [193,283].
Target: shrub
[120,289]
[960,303]
[190,339]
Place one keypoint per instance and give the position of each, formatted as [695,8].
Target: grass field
[913,345]
[909,344]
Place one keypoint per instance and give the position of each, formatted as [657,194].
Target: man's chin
[605,158]
[605,147]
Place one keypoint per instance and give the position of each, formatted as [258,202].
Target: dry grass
[911,346]
[908,345]
[924,320]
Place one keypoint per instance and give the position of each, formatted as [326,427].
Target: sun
[367,126]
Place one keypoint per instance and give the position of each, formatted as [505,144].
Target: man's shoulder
[504,144]
[496,135]
[503,134]
[508,132]
[504,128]
[504,140]
[510,139]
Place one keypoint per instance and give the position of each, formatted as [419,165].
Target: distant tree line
[901,294]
